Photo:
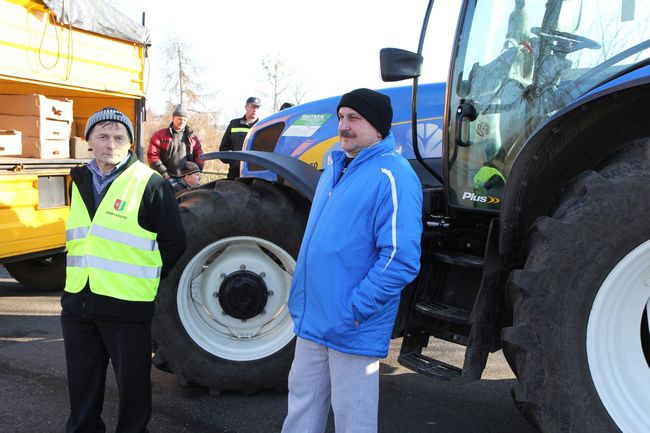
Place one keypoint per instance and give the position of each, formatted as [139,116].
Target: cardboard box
[10,143]
[79,149]
[46,149]
[37,127]
[36,105]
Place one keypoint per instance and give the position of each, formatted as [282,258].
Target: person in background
[360,249]
[169,148]
[233,138]
[286,105]
[123,234]
[489,180]
[191,178]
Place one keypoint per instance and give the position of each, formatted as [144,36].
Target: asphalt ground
[33,393]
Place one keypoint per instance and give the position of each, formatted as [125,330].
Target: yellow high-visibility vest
[112,252]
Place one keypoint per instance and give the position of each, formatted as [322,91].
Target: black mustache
[347,134]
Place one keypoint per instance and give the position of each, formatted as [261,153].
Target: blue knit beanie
[109,114]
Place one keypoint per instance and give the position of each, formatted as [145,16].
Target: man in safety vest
[123,234]
[233,138]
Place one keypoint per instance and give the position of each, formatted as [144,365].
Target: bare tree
[299,91]
[181,71]
[278,78]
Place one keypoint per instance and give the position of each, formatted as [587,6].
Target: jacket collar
[187,131]
[387,145]
[243,121]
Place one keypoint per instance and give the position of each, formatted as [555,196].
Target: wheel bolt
[270,293]
[223,276]
[242,267]
[262,274]
[215,294]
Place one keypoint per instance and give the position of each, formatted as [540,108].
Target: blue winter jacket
[361,248]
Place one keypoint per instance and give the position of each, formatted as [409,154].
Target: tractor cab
[517,63]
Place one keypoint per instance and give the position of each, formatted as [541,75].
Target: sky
[330,46]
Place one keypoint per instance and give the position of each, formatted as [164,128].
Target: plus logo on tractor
[481,198]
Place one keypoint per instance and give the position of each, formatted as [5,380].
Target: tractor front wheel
[222,320]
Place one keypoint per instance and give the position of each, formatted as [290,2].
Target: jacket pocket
[347,311]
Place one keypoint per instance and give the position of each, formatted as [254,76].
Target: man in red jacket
[170,148]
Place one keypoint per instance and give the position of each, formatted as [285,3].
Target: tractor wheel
[579,340]
[222,320]
[40,274]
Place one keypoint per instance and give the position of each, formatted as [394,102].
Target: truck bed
[17,165]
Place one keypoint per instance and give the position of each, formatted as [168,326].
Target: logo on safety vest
[119,205]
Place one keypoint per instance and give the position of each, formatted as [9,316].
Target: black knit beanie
[110,114]
[373,106]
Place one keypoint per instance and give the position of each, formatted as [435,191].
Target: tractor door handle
[465,113]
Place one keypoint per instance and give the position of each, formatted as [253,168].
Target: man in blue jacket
[361,248]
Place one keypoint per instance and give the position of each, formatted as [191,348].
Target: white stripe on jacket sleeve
[393,189]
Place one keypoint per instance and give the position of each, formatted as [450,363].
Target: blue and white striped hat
[110,114]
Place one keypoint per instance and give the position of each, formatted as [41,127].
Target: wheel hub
[243,295]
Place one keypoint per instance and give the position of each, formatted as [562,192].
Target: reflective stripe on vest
[244,130]
[113,266]
[125,238]
[76,233]
[116,256]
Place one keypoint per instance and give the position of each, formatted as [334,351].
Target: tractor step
[445,312]
[459,259]
[429,367]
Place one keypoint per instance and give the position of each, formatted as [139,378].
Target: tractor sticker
[489,199]
[306,125]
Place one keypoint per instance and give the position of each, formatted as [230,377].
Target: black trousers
[89,344]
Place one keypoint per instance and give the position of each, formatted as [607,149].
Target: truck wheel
[222,320]
[40,274]
[579,340]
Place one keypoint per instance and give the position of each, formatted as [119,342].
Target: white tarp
[97,16]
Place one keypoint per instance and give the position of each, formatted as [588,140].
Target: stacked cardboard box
[79,149]
[45,124]
[10,143]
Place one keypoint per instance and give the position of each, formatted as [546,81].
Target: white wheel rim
[202,315]
[618,366]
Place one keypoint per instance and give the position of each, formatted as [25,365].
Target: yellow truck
[59,62]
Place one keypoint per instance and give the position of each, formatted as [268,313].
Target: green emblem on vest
[119,205]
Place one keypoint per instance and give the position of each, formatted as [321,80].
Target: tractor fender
[576,138]
[298,174]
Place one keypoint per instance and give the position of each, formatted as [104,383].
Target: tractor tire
[40,274]
[579,339]
[222,320]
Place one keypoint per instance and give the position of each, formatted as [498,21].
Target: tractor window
[517,63]
[265,140]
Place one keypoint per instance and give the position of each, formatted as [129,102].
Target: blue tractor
[534,160]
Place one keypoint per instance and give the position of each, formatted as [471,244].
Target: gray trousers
[321,376]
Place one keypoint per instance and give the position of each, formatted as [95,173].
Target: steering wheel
[565,42]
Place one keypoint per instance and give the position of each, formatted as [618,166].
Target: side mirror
[397,64]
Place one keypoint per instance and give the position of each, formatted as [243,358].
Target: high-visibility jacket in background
[112,252]
[233,139]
